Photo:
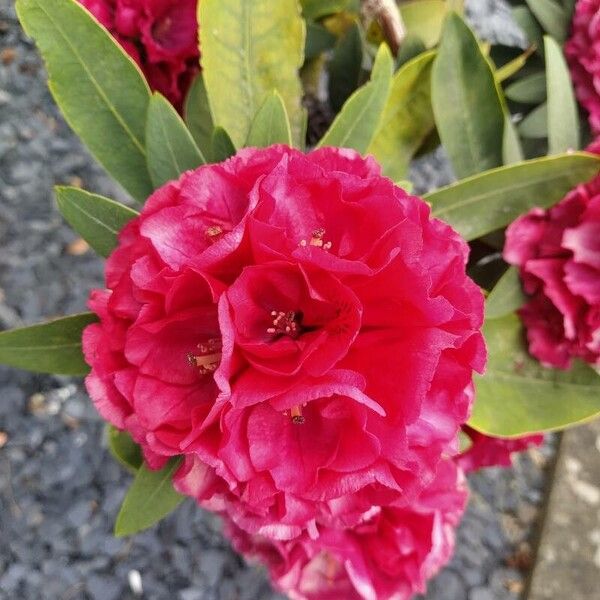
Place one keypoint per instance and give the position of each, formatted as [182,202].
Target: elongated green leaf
[271,124]
[552,16]
[407,117]
[124,449]
[318,40]
[99,89]
[518,396]
[52,347]
[512,67]
[95,218]
[345,67]
[150,499]
[171,147]
[535,124]
[425,18]
[563,119]
[512,151]
[250,47]
[529,90]
[491,200]
[530,27]
[468,108]
[506,297]
[315,9]
[412,46]
[198,117]
[357,123]
[222,147]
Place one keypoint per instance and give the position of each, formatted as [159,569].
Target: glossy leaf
[512,151]
[124,449]
[52,347]
[528,90]
[518,396]
[407,118]
[249,48]
[271,124]
[345,67]
[150,498]
[222,147]
[99,89]
[535,124]
[98,220]
[563,119]
[198,117]
[506,297]
[170,146]
[468,108]
[318,40]
[424,18]
[359,119]
[552,16]
[489,201]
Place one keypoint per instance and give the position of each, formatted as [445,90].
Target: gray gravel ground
[60,490]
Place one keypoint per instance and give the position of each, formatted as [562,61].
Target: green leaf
[552,17]
[518,396]
[464,441]
[425,18]
[198,117]
[512,151]
[222,147]
[528,90]
[345,67]
[150,499]
[124,449]
[171,147]
[98,220]
[52,347]
[407,117]
[563,117]
[467,105]
[357,123]
[250,47]
[530,27]
[271,124]
[489,201]
[412,46]
[99,89]
[512,67]
[535,124]
[318,40]
[506,297]
[316,9]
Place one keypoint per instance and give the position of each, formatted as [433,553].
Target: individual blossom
[160,35]
[583,56]
[389,556]
[558,253]
[299,328]
[489,451]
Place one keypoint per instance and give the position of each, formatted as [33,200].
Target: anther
[317,240]
[209,357]
[297,417]
[285,323]
[213,233]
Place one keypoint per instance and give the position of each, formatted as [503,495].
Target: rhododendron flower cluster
[583,55]
[558,252]
[302,332]
[160,35]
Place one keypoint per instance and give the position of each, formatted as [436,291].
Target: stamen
[286,323]
[317,240]
[297,417]
[213,233]
[208,360]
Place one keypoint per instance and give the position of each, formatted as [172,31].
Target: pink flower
[583,55]
[160,35]
[558,252]
[390,555]
[296,326]
[488,451]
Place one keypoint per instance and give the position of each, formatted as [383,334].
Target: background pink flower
[160,35]
[583,55]
[558,252]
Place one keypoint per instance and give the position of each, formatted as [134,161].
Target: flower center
[213,233]
[208,358]
[317,240]
[286,323]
